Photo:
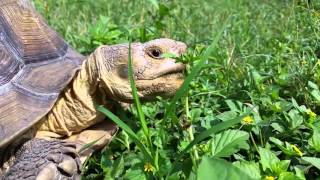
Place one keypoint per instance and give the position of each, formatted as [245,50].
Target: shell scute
[36,64]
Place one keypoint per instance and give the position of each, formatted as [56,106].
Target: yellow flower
[311,114]
[269,178]
[296,150]
[148,167]
[247,120]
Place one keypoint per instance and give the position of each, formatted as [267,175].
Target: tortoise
[48,92]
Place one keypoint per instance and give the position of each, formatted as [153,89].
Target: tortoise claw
[55,161]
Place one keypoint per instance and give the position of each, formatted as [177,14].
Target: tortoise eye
[155,53]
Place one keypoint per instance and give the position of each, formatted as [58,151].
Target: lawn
[251,109]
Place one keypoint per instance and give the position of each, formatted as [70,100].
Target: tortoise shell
[35,65]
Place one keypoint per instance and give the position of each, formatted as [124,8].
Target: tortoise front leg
[43,158]
[46,160]
[96,137]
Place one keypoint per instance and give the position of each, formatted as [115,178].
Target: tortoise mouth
[173,75]
[165,84]
[179,68]
[175,71]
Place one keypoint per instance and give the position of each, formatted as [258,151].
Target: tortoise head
[154,74]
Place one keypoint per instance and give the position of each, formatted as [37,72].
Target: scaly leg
[50,159]
[45,160]
[101,134]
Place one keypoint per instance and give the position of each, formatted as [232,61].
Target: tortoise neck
[89,74]
[75,109]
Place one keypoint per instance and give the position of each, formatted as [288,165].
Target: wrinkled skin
[154,75]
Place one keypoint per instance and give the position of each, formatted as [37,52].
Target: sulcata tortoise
[48,93]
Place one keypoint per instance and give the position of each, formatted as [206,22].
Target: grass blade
[128,130]
[137,101]
[89,145]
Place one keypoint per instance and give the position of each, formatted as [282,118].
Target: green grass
[265,66]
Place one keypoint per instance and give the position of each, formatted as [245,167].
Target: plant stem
[194,153]
[254,143]
[261,138]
